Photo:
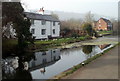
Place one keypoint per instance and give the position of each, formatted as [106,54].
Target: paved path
[104,67]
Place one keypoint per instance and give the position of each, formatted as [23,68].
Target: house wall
[57,29]
[49,29]
[101,25]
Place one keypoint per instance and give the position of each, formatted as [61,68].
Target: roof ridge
[40,16]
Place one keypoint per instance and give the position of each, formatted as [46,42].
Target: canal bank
[104,67]
[44,65]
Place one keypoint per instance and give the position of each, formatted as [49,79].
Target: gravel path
[104,67]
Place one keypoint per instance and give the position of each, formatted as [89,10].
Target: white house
[43,26]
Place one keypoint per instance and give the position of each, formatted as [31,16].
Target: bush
[9,46]
[75,35]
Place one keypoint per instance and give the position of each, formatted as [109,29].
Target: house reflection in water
[103,46]
[44,59]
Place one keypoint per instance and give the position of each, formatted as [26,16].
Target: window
[99,21]
[43,31]
[58,23]
[54,23]
[32,21]
[53,31]
[43,22]
[33,31]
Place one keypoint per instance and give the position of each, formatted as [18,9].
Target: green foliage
[10,10]
[44,45]
[88,27]
[59,42]
[95,33]
[105,32]
[75,35]
[14,12]
[90,31]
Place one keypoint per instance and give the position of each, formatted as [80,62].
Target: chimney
[41,11]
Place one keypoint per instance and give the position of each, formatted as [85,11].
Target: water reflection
[88,49]
[43,65]
[44,59]
[103,46]
[16,67]
[19,67]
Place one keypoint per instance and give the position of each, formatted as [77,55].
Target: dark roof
[106,20]
[41,17]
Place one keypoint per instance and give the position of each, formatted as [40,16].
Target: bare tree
[54,15]
[72,24]
[89,18]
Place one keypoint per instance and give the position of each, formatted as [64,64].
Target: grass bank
[73,69]
[102,33]
[10,45]
[44,45]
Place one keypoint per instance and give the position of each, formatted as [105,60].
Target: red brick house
[103,24]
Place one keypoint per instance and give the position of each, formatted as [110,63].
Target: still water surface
[45,65]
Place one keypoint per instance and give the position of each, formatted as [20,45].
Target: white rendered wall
[57,29]
[49,29]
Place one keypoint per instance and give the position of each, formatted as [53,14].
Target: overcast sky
[102,7]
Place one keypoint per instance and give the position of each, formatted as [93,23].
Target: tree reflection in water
[17,67]
[88,49]
[31,61]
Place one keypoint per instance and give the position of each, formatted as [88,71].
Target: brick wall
[101,25]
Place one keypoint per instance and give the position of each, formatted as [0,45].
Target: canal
[44,65]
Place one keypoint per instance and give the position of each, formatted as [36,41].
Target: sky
[101,7]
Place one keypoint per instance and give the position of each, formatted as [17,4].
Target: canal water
[44,65]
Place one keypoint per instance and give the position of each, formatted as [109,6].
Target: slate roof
[106,20]
[41,17]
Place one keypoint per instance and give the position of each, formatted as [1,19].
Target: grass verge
[44,45]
